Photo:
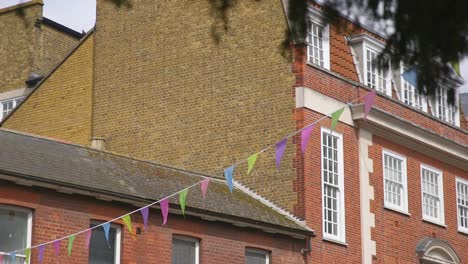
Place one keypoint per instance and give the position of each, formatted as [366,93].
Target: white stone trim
[366,167]
[320,103]
[14,93]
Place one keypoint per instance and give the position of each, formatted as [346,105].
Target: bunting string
[164,202]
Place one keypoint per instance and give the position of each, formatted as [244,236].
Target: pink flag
[57,248]
[144,213]
[305,135]
[280,147]
[204,188]
[1,259]
[41,253]
[88,238]
[164,209]
[368,102]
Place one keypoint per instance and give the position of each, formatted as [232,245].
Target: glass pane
[101,252]
[183,251]
[13,229]
[255,257]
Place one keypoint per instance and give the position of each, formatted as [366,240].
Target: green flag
[70,244]
[128,222]
[251,162]
[335,116]
[182,197]
[27,252]
[456,66]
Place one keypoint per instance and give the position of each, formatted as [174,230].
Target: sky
[81,15]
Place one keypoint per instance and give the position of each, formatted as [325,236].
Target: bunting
[128,222]
[106,227]
[13,257]
[280,147]
[368,102]
[335,117]
[305,135]
[204,188]
[228,173]
[456,66]
[88,238]
[57,248]
[1,258]
[40,254]
[411,75]
[164,209]
[27,253]
[251,162]
[145,213]
[182,197]
[70,245]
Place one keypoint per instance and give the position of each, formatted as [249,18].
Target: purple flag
[368,102]
[57,248]
[144,213]
[88,238]
[164,209]
[41,253]
[204,188]
[280,147]
[305,135]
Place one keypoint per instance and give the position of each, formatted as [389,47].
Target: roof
[62,28]
[464,104]
[42,160]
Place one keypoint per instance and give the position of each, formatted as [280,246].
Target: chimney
[98,143]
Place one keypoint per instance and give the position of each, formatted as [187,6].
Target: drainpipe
[308,247]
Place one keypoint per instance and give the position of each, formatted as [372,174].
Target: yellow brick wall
[165,92]
[16,44]
[61,105]
[50,47]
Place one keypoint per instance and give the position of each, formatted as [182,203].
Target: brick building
[391,189]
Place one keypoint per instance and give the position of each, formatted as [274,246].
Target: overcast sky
[81,15]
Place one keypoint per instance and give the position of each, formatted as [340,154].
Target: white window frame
[415,94]
[260,251]
[440,185]
[315,17]
[404,207]
[387,78]
[464,182]
[190,239]
[15,103]
[29,226]
[443,91]
[118,239]
[341,237]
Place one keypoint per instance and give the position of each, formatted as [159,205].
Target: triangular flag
[182,197]
[13,257]
[411,76]
[305,135]
[456,66]
[88,238]
[128,222]
[335,116]
[70,244]
[57,248]
[204,188]
[280,147]
[228,173]
[368,102]
[1,259]
[41,253]
[106,227]
[144,213]
[164,209]
[27,253]
[251,162]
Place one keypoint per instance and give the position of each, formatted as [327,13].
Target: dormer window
[7,106]
[373,72]
[318,44]
[443,110]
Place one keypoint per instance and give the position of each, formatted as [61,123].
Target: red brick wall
[56,215]
[398,234]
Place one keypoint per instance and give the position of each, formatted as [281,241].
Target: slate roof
[41,159]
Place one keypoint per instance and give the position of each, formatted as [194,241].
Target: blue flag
[106,227]
[411,76]
[228,175]
[13,257]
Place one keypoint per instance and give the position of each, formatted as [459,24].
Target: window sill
[336,241]
[405,213]
[430,221]
[465,232]
[318,66]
